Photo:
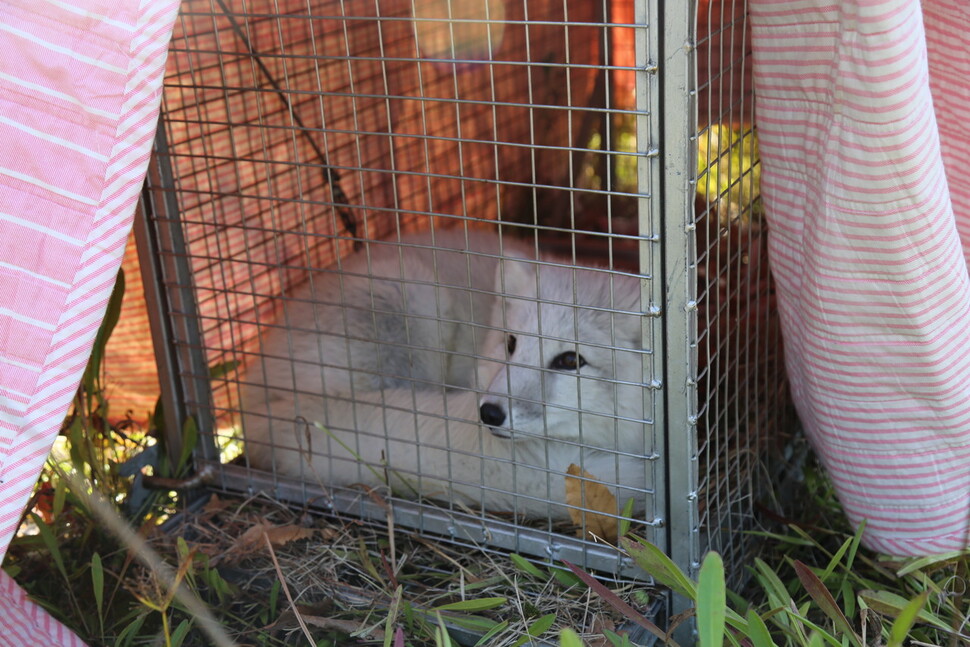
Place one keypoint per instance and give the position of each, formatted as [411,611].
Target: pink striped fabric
[866,250]
[79,94]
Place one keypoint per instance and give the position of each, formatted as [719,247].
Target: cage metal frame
[666,127]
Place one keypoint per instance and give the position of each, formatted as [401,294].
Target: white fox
[564,386]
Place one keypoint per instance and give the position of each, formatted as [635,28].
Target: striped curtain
[864,126]
[80,86]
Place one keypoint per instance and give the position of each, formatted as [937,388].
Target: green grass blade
[823,598]
[906,619]
[569,638]
[626,516]
[441,636]
[392,616]
[47,536]
[614,601]
[491,633]
[758,631]
[178,636]
[528,567]
[538,627]
[711,602]
[890,604]
[654,561]
[475,604]
[97,584]
[836,559]
[922,563]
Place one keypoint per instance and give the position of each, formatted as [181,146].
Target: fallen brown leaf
[251,541]
[595,505]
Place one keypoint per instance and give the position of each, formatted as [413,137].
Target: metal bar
[459,527]
[167,276]
[678,123]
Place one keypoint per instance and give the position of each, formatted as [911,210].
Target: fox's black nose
[492,414]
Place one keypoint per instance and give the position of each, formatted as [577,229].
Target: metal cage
[616,134]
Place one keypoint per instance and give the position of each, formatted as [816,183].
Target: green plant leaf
[823,598]
[654,561]
[190,438]
[614,601]
[836,559]
[626,516]
[112,314]
[711,601]
[758,631]
[47,536]
[922,563]
[60,494]
[538,627]
[569,638]
[491,633]
[617,640]
[178,636]
[392,615]
[906,619]
[475,604]
[890,604]
[97,581]
[441,636]
[818,633]
[528,567]
[565,578]
[221,369]
[778,596]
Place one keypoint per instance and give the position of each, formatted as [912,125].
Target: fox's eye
[568,361]
[510,344]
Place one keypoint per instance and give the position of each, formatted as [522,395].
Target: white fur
[424,439]
[429,443]
[383,316]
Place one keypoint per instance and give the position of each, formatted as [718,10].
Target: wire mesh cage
[490,258]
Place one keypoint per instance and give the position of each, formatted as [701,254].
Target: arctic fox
[563,386]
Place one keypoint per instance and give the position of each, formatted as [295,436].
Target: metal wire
[298,131]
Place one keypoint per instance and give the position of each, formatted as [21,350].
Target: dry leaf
[252,539]
[594,498]
[215,505]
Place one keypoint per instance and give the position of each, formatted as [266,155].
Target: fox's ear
[516,278]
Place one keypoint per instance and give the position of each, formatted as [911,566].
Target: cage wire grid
[291,132]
